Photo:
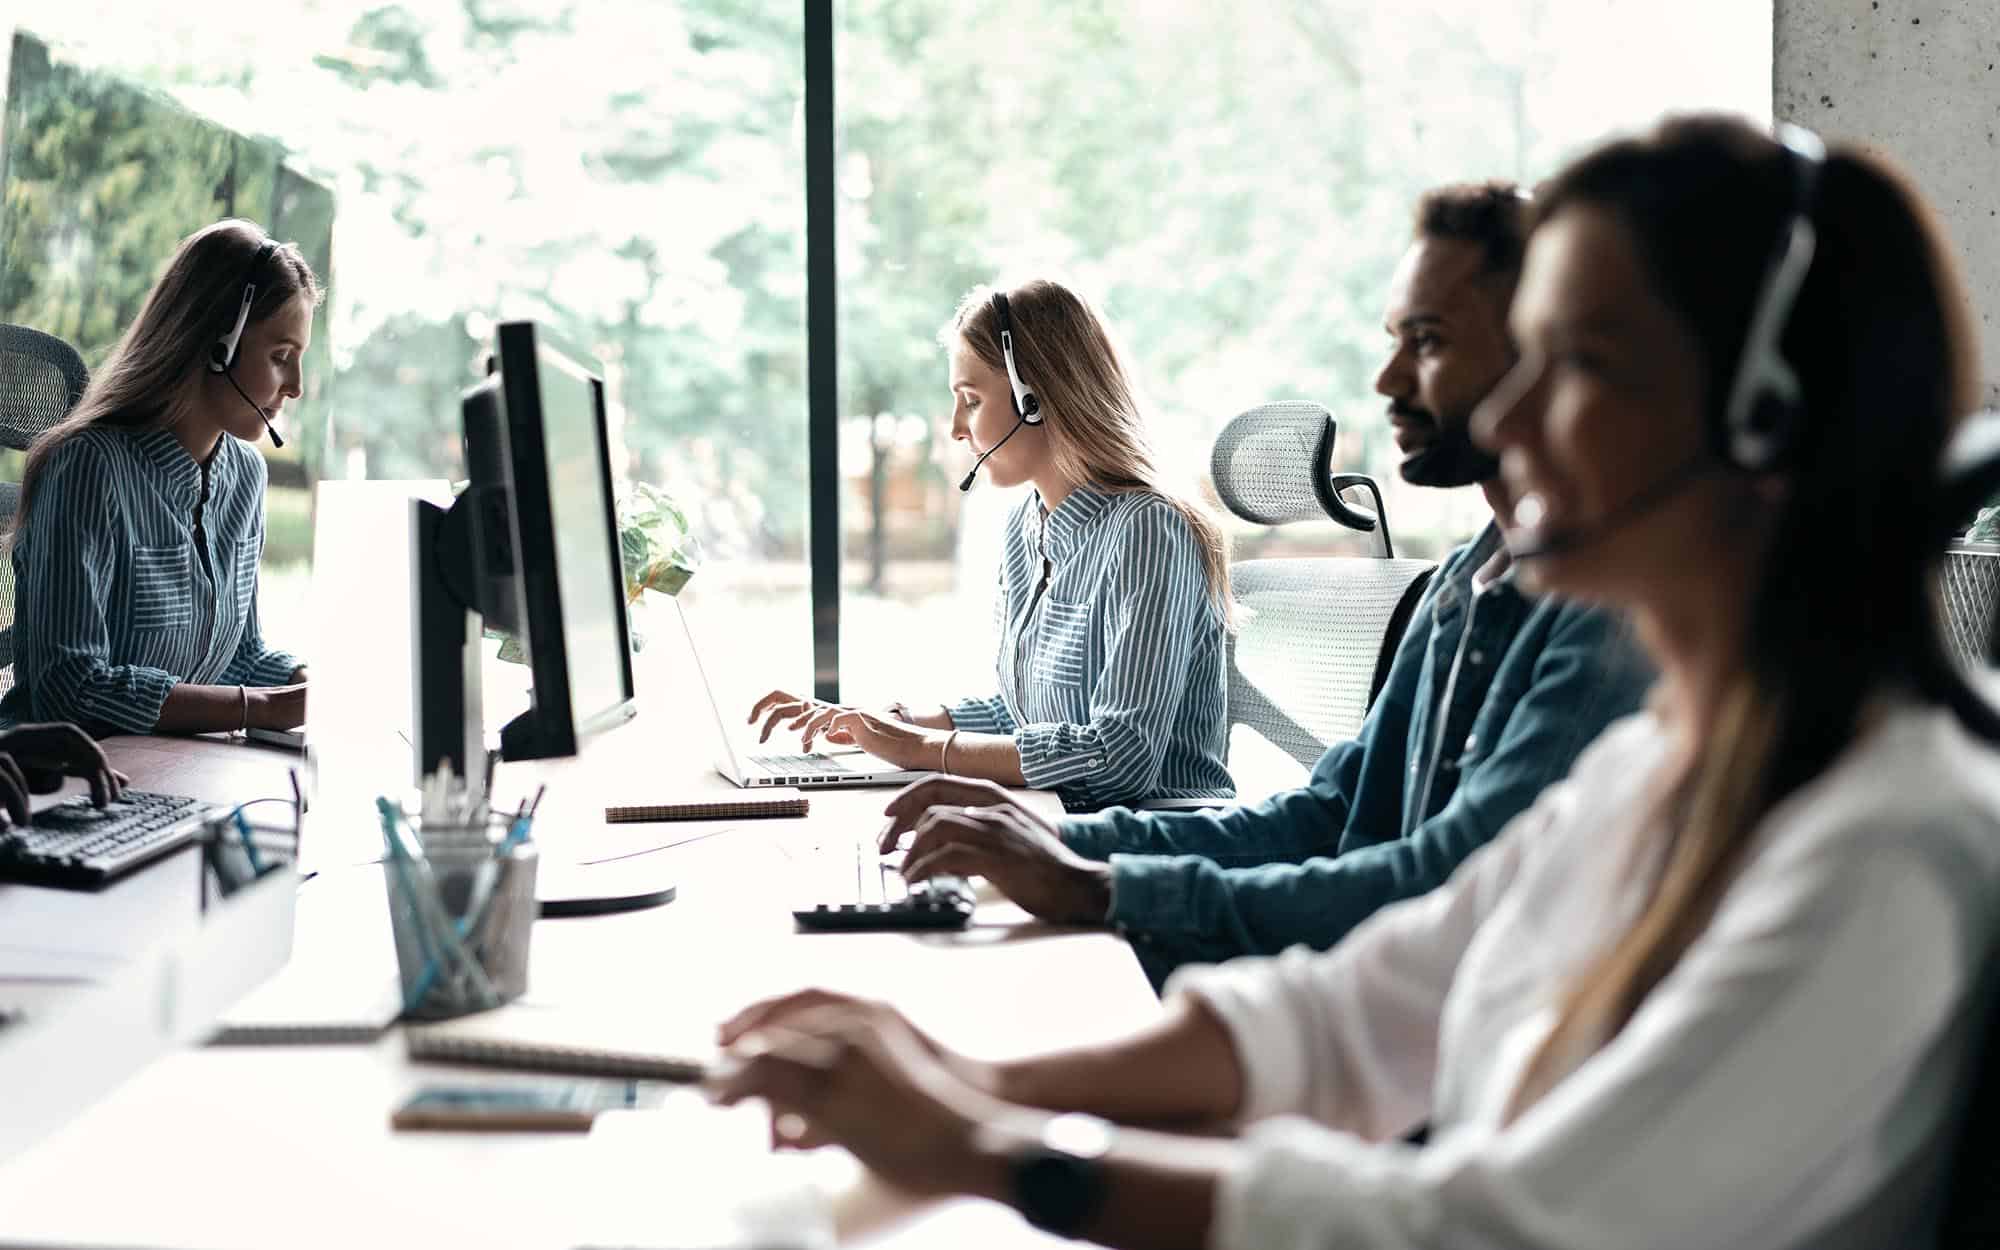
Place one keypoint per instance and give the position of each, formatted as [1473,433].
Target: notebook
[729,807]
[541,1037]
[341,984]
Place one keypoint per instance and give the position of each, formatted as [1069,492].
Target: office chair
[1315,636]
[1969,582]
[41,378]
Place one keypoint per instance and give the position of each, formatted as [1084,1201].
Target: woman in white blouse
[1717,988]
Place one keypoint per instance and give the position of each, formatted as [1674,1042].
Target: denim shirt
[120,595]
[1535,680]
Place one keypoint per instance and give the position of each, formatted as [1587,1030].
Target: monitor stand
[600,889]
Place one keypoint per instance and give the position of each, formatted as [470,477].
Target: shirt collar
[1062,530]
[180,474]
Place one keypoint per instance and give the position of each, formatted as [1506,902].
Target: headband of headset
[1765,407]
[222,355]
[1027,405]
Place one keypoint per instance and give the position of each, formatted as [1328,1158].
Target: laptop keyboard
[810,765]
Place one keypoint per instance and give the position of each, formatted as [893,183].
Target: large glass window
[630,174]
[1232,183]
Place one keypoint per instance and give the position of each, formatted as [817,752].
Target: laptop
[812,768]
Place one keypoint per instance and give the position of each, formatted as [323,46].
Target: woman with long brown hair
[1721,986]
[141,522]
[1114,587]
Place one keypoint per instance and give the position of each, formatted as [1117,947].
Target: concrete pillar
[1920,80]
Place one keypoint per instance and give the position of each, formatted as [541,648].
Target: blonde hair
[149,378]
[1096,431]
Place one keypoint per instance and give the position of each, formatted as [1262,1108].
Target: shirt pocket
[1061,643]
[162,597]
[246,575]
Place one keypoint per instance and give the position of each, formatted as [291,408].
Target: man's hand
[38,757]
[1019,853]
[914,801]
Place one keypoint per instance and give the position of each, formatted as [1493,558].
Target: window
[628,174]
[1231,183]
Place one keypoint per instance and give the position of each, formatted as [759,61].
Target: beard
[1450,459]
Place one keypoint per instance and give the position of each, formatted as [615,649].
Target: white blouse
[1791,1082]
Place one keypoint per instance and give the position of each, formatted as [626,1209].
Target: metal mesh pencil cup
[462,913]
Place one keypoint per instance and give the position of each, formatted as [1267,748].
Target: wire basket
[462,908]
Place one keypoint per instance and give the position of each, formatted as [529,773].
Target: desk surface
[226,1147]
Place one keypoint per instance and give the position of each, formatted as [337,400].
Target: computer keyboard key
[939,903]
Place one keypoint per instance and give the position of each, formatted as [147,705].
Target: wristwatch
[1060,1182]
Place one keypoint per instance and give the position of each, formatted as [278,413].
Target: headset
[222,353]
[1764,413]
[1762,419]
[1027,405]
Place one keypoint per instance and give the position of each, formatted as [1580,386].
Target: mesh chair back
[1269,461]
[1970,584]
[1313,645]
[41,378]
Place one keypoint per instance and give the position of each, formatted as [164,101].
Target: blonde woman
[1114,588]
[141,520]
[1721,986]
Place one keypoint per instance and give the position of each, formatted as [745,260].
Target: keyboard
[865,891]
[814,764]
[77,846]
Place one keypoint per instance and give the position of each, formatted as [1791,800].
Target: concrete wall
[1919,79]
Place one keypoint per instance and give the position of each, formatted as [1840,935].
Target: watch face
[1060,1184]
[1058,1192]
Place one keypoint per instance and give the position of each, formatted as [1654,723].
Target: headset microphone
[1645,501]
[258,408]
[974,470]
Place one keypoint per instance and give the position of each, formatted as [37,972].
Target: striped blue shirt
[1111,675]
[115,600]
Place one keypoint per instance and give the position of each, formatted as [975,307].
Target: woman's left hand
[863,1079]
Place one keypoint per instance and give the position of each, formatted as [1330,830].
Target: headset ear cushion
[218,354]
[1031,407]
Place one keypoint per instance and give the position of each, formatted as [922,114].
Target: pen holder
[462,913]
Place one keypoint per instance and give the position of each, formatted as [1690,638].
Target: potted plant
[656,550]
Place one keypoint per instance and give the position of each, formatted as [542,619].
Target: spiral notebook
[730,807]
[545,1038]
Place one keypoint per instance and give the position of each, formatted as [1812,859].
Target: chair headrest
[1274,465]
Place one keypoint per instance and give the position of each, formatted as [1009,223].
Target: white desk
[255,1147]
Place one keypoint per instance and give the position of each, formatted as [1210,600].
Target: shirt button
[1097,763]
[1477,656]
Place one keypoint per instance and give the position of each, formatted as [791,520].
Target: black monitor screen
[588,581]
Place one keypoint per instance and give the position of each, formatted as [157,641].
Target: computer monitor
[530,547]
